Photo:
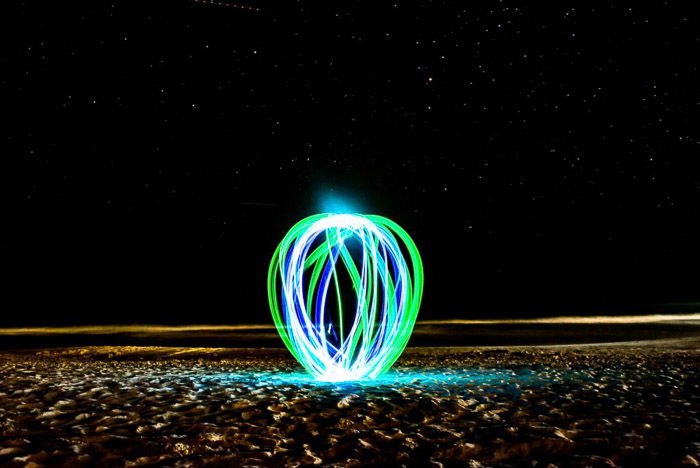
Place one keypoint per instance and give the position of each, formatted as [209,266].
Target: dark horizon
[543,159]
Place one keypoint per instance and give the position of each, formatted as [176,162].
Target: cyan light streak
[304,278]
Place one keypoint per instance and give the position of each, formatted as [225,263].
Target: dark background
[543,158]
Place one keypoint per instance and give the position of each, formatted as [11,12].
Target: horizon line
[159,328]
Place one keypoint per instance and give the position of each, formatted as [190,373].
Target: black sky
[543,158]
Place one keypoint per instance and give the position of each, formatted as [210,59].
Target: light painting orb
[344,291]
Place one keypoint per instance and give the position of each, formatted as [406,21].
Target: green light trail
[310,300]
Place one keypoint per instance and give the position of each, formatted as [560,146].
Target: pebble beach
[169,406]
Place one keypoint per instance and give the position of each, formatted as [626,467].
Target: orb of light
[344,291]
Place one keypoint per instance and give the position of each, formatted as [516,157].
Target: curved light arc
[305,277]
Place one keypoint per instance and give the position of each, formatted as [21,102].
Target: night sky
[542,158]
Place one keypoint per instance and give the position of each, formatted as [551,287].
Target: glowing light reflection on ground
[435,382]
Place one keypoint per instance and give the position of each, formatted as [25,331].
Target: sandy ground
[631,404]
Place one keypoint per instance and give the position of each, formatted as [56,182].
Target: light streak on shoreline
[126,329]
[573,320]
[156,329]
